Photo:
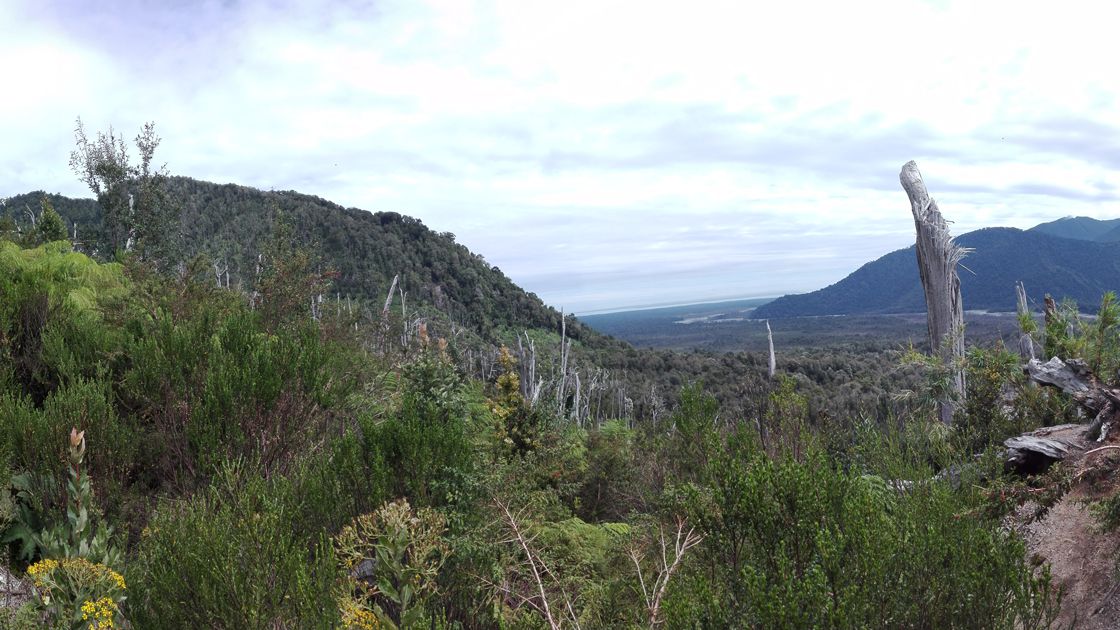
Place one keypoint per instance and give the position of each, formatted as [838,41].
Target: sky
[602,154]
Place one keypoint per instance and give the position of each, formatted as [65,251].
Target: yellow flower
[41,569]
[354,617]
[100,613]
[83,568]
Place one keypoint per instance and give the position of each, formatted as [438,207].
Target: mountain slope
[1082,229]
[367,249]
[1081,270]
[1110,236]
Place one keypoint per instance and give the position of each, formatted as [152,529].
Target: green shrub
[50,314]
[987,418]
[25,617]
[802,544]
[230,557]
[1107,513]
[337,483]
[215,388]
[607,489]
[391,559]
[427,441]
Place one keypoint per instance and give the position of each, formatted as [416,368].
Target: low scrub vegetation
[176,456]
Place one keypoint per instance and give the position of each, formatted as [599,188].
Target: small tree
[138,212]
[50,226]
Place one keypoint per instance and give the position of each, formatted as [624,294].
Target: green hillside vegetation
[1079,270]
[229,224]
[456,294]
[241,470]
[185,451]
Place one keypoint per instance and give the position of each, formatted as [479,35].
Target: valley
[731,327]
[325,372]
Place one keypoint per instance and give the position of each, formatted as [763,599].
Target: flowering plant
[85,594]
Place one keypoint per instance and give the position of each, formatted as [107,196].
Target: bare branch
[668,564]
[523,542]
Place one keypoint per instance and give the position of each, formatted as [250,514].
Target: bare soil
[1082,558]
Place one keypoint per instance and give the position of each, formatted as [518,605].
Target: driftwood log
[938,256]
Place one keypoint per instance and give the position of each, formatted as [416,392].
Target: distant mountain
[1082,229]
[1078,269]
[229,222]
[1110,236]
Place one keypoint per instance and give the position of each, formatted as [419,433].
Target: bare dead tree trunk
[1050,309]
[389,296]
[218,271]
[770,338]
[1026,343]
[575,403]
[938,256]
[561,390]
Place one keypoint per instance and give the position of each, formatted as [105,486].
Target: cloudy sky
[603,154]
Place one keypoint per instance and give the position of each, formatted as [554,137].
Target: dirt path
[1083,560]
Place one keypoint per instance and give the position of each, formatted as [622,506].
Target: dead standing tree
[938,256]
[1026,324]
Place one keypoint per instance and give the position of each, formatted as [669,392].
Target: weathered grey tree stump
[1026,342]
[938,256]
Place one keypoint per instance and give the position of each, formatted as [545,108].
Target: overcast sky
[603,154]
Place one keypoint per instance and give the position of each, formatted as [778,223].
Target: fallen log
[1072,377]
[1076,379]
[1029,454]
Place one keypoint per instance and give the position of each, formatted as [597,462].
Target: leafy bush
[50,300]
[988,417]
[802,544]
[607,488]
[391,559]
[336,483]
[426,442]
[230,557]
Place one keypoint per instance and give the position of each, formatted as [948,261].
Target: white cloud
[601,153]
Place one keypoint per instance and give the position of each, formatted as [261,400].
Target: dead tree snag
[938,256]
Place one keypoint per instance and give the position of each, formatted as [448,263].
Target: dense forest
[286,448]
[365,251]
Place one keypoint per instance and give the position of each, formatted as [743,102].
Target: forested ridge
[229,224]
[181,450]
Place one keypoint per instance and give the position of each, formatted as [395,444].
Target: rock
[14,592]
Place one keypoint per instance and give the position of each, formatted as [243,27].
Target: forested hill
[1082,228]
[229,222]
[1078,269]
